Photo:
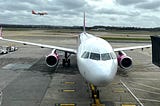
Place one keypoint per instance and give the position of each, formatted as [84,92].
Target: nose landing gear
[95,96]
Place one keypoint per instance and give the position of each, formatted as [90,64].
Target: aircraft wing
[132,48]
[73,51]
[69,49]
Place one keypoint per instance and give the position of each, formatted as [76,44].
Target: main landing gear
[66,60]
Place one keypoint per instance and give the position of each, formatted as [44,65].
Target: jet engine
[124,61]
[52,59]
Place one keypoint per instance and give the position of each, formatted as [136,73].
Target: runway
[25,80]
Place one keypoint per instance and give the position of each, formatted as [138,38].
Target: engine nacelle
[124,61]
[52,59]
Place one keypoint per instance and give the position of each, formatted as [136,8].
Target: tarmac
[25,80]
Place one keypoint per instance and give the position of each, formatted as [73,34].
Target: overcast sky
[128,13]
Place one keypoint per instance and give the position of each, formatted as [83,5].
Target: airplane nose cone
[104,74]
[98,73]
[103,78]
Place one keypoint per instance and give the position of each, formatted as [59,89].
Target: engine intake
[52,59]
[124,61]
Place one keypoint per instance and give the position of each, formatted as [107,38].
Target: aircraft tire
[63,62]
[68,63]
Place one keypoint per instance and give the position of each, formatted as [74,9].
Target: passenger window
[95,56]
[85,55]
[113,55]
[105,56]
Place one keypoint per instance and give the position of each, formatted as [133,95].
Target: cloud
[113,19]
[69,12]
[111,12]
[129,2]
[149,5]
[71,4]
[118,12]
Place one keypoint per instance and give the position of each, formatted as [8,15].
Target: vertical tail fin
[33,12]
[84,23]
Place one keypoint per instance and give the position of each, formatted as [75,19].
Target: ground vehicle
[3,50]
[11,48]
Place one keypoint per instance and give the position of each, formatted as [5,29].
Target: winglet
[1,33]
[84,23]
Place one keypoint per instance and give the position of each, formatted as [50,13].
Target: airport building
[156,50]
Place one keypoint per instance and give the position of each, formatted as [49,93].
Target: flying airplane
[39,13]
[96,59]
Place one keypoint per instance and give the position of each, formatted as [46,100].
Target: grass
[126,38]
[50,30]
[76,31]
[136,32]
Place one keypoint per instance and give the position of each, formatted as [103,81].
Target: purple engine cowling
[124,61]
[52,59]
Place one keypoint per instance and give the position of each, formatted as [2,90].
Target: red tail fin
[33,12]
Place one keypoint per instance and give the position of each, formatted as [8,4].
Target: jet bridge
[156,50]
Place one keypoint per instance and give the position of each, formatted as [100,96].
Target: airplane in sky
[96,59]
[39,13]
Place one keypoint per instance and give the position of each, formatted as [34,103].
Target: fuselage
[96,60]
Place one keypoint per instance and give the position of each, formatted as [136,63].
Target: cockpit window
[85,55]
[113,55]
[95,56]
[105,56]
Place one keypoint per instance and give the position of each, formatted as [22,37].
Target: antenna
[84,23]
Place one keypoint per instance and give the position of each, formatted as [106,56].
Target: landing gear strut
[95,91]
[95,96]
[66,61]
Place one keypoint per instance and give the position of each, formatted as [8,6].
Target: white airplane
[96,59]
